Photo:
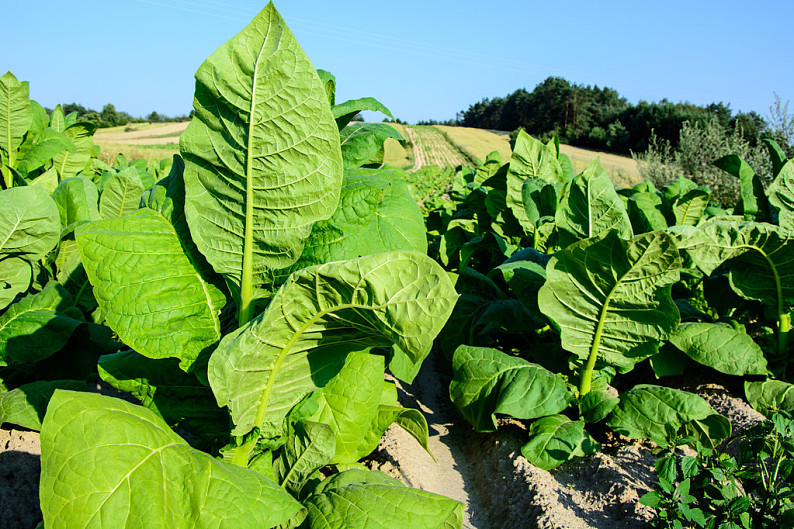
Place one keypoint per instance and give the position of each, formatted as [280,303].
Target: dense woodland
[110,117]
[600,118]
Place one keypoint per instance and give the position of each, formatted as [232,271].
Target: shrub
[699,144]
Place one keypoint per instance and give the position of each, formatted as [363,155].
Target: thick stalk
[783,317]
[587,375]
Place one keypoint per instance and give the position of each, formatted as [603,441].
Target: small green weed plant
[715,490]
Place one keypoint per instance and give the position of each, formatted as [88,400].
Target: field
[148,141]
[477,143]
[275,330]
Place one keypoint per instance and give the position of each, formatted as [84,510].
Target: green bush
[699,145]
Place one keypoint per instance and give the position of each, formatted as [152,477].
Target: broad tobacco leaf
[349,403]
[531,159]
[149,288]
[262,155]
[554,440]
[486,382]
[589,206]
[761,258]
[376,214]
[358,499]
[30,225]
[650,412]
[128,470]
[26,405]
[178,397]
[754,203]
[15,276]
[363,143]
[47,144]
[781,195]
[121,194]
[77,199]
[15,118]
[770,394]
[720,347]
[70,162]
[36,327]
[344,112]
[309,448]
[645,212]
[319,316]
[611,297]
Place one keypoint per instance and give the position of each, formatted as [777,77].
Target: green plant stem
[242,454]
[587,376]
[783,329]
[783,317]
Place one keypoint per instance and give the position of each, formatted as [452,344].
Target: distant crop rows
[432,148]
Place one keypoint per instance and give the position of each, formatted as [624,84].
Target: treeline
[600,118]
[110,117]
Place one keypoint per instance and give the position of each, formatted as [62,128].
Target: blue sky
[424,60]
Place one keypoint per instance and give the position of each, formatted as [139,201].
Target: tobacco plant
[258,293]
[560,274]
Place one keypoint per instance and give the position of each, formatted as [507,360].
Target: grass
[110,151]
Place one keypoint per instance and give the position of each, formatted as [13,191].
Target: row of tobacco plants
[581,306]
[250,299]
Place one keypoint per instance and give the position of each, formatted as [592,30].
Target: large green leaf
[15,119]
[689,207]
[363,143]
[770,394]
[357,499]
[349,403]
[121,194]
[344,112]
[178,397]
[127,470]
[33,328]
[589,206]
[553,440]
[150,290]
[77,199]
[645,212]
[58,119]
[26,405]
[720,347]
[30,224]
[307,450]
[650,412]
[70,162]
[319,316]
[376,214]
[15,277]
[781,195]
[611,297]
[487,382]
[754,203]
[530,159]
[49,144]
[761,259]
[262,155]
